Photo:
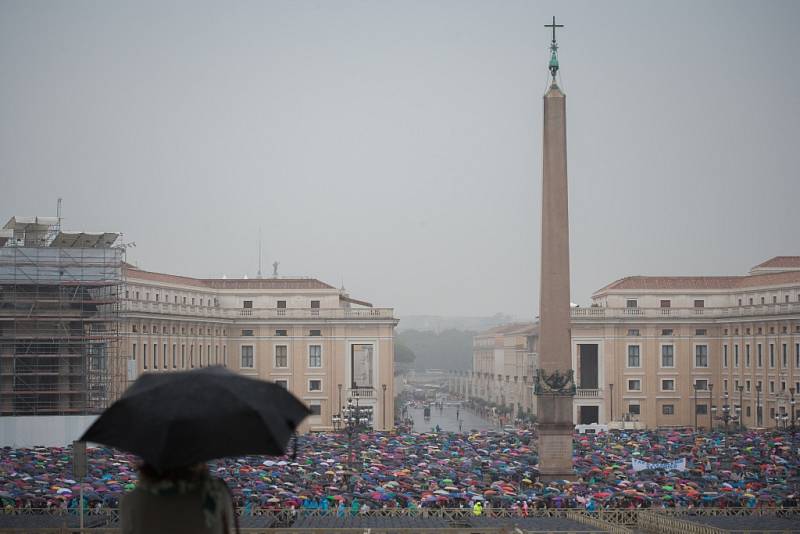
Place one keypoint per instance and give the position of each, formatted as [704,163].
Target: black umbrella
[178,419]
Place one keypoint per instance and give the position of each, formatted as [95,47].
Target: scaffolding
[59,321]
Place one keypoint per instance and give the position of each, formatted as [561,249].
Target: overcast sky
[396,146]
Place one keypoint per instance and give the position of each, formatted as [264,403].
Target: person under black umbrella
[176,422]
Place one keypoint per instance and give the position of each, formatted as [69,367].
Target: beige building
[669,351]
[308,336]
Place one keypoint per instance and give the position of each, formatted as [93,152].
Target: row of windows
[760,330]
[176,299]
[154,329]
[162,360]
[634,332]
[281,304]
[700,303]
[667,384]
[281,360]
[747,384]
[667,356]
[784,359]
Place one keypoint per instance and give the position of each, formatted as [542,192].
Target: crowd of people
[444,469]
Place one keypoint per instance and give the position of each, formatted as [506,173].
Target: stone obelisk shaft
[554,405]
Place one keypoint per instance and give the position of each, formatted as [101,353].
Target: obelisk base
[555,431]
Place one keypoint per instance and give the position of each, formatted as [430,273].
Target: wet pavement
[446,419]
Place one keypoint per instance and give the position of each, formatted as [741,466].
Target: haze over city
[395,147]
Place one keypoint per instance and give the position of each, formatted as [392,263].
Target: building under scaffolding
[59,319]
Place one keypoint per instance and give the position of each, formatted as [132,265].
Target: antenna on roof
[259,253]
[58,214]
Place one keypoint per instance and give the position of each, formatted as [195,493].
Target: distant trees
[448,349]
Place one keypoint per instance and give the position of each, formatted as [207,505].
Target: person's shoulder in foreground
[180,500]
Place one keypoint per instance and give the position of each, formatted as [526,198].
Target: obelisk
[554,386]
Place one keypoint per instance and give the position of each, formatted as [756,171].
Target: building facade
[680,351]
[301,333]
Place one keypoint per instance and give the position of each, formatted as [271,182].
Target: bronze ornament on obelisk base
[554,385]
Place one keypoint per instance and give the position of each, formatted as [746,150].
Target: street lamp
[758,405]
[340,399]
[791,390]
[696,387]
[710,404]
[739,409]
[383,387]
[611,394]
[726,410]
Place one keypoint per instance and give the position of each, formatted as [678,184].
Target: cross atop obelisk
[553,48]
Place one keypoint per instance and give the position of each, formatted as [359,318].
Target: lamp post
[352,425]
[611,394]
[741,406]
[383,387]
[758,405]
[711,407]
[695,406]
[340,399]
[726,411]
[791,403]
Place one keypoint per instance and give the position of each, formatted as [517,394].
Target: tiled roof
[226,283]
[780,262]
[646,283]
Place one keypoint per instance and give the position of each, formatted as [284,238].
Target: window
[191,356]
[247,304]
[701,384]
[634,385]
[774,299]
[666,332]
[184,300]
[633,356]
[164,356]
[633,332]
[280,332]
[668,384]
[144,355]
[701,409]
[747,355]
[700,332]
[666,303]
[726,331]
[747,386]
[748,411]
[736,355]
[200,356]
[282,304]
[667,356]
[157,295]
[634,409]
[668,409]
[315,356]
[247,333]
[760,359]
[174,356]
[772,354]
[762,300]
[314,304]
[176,299]
[225,355]
[281,356]
[701,356]
[247,357]
[797,358]
[201,302]
[315,385]
[134,328]
[724,355]
[725,385]
[631,303]
[316,409]
[147,296]
[155,355]
[315,332]
[740,302]
[699,303]
[751,301]
[133,352]
[772,386]
[127,294]
[192,301]
[183,356]
[216,354]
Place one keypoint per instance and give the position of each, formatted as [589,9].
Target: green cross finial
[553,49]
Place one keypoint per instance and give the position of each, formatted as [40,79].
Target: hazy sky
[397,145]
